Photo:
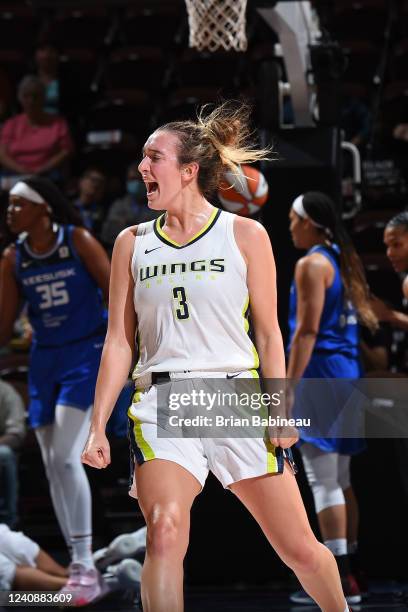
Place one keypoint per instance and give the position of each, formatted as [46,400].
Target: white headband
[24,191]
[299,209]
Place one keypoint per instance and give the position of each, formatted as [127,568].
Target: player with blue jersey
[328,298]
[336,349]
[396,242]
[62,273]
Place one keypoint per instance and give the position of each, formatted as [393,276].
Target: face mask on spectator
[135,188]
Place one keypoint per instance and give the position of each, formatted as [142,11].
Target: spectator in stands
[400,132]
[12,432]
[356,120]
[90,200]
[46,60]
[131,209]
[34,142]
[62,95]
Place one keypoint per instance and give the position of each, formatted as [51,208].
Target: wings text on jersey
[201,265]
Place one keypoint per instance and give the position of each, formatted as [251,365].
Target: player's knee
[22,576]
[326,494]
[302,556]
[164,531]
[63,464]
[60,464]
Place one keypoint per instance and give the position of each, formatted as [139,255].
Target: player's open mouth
[151,187]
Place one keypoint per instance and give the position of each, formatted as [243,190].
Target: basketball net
[217,23]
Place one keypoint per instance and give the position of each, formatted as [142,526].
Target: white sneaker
[123,576]
[122,547]
[84,585]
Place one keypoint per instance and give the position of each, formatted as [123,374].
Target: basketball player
[62,273]
[24,566]
[328,295]
[396,241]
[189,327]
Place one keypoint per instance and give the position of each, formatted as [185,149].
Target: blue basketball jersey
[335,356]
[338,330]
[64,302]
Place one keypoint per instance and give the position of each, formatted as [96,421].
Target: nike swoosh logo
[25,264]
[233,375]
[147,251]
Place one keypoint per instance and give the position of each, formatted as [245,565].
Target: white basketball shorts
[229,458]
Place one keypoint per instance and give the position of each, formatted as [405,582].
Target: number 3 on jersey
[181,311]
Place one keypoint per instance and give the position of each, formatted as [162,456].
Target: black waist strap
[160,377]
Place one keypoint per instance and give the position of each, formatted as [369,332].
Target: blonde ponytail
[227,128]
[220,139]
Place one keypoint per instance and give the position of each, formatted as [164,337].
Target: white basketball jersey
[191,300]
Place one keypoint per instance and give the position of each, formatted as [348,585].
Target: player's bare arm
[118,351]
[9,295]
[255,246]
[312,276]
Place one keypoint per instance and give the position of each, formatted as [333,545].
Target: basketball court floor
[261,601]
[383,598]
[388,600]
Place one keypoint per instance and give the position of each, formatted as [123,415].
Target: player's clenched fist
[97,451]
[285,437]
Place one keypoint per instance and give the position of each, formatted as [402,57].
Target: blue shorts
[62,375]
[333,398]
